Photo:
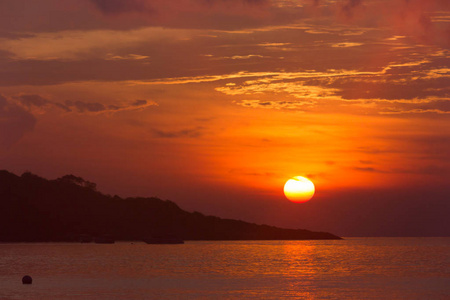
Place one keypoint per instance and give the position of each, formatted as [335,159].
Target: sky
[215,104]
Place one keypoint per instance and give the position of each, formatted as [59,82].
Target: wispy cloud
[37,101]
[76,45]
[420,19]
[158,7]
[111,56]
[295,89]
[346,45]
[294,105]
[182,133]
[394,111]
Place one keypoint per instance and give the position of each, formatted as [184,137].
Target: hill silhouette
[34,209]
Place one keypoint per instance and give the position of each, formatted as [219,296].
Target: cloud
[84,45]
[431,169]
[366,162]
[350,6]
[15,122]
[139,102]
[111,56]
[246,56]
[87,106]
[290,105]
[346,45]
[296,89]
[96,107]
[413,111]
[157,6]
[122,6]
[189,133]
[27,17]
[416,18]
[36,101]
[376,92]
[218,14]
[32,100]
[367,169]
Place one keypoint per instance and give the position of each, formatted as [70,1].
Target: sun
[299,189]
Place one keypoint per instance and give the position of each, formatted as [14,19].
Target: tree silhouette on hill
[35,209]
[78,181]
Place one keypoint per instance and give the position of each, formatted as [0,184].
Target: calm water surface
[354,268]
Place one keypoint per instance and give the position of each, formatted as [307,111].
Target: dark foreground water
[354,268]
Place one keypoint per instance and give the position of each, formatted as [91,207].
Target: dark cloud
[20,17]
[139,102]
[190,133]
[442,105]
[113,107]
[433,107]
[62,106]
[151,6]
[366,169]
[96,107]
[350,6]
[217,14]
[413,85]
[30,72]
[366,162]
[122,6]
[86,106]
[32,100]
[407,17]
[15,122]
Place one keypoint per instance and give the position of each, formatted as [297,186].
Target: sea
[352,268]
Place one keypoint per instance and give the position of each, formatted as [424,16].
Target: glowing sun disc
[299,189]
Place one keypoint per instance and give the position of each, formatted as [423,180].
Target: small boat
[164,239]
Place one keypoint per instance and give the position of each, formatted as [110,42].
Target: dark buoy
[27,279]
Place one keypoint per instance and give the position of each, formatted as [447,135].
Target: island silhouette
[69,209]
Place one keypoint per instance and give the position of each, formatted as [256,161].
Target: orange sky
[215,104]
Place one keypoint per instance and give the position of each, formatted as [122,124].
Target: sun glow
[299,189]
